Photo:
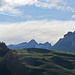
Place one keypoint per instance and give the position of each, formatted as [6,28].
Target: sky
[45,20]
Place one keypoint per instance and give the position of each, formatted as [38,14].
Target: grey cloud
[1,3]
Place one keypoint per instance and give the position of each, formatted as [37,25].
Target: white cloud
[49,3]
[57,4]
[41,30]
[9,10]
[9,5]
[20,2]
[73,16]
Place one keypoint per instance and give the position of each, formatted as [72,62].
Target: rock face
[31,44]
[67,43]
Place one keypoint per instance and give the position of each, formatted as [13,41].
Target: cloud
[41,30]
[49,3]
[57,4]
[9,6]
[73,16]
[20,2]
[7,9]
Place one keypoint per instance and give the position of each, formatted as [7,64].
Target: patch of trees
[3,49]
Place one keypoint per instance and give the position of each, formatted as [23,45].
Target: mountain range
[67,43]
[30,44]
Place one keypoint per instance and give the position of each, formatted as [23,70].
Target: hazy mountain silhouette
[31,44]
[46,45]
[67,43]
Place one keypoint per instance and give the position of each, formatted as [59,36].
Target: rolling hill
[46,62]
[36,61]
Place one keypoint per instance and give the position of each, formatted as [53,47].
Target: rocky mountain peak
[47,43]
[66,43]
[32,41]
[70,35]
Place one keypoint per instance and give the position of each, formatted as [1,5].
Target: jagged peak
[22,43]
[70,34]
[32,41]
[47,43]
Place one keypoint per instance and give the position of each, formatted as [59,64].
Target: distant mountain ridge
[31,44]
[67,43]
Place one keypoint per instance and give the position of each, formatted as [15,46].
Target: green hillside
[46,62]
[35,61]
